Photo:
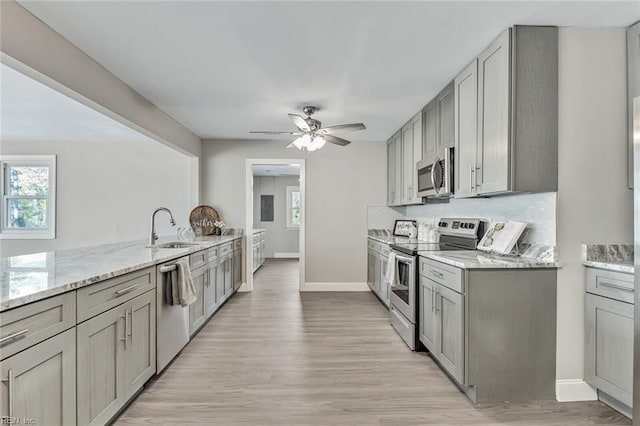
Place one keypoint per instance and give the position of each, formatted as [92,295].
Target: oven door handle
[405,258]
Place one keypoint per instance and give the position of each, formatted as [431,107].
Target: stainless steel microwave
[435,175]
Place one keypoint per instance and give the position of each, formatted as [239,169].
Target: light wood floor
[279,357]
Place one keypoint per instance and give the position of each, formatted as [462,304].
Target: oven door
[403,296]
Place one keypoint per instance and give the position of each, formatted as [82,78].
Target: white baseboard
[286,255]
[575,390]
[334,287]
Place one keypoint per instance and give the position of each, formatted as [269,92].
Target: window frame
[47,233]
[290,191]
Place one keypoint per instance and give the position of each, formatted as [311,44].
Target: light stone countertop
[475,259]
[28,278]
[612,257]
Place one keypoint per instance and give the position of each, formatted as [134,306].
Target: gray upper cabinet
[465,129]
[517,116]
[445,102]
[394,170]
[411,134]
[633,85]
[39,383]
[430,129]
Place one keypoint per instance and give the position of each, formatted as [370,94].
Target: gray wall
[106,192]
[341,183]
[594,203]
[279,238]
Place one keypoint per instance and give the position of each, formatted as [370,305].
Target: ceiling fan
[311,134]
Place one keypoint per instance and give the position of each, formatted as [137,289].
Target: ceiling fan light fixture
[302,142]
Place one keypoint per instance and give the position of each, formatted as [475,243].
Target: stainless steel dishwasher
[173,320]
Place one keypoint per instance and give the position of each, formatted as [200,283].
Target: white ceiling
[225,68]
[276,170]
[31,111]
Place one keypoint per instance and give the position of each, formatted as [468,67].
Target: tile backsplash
[538,210]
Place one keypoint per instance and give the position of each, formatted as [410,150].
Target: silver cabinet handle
[130,315]
[616,286]
[123,339]
[437,297]
[433,296]
[126,290]
[436,273]
[472,170]
[9,381]
[13,335]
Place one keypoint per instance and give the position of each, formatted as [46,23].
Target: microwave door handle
[433,179]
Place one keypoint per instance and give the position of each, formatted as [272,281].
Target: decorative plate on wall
[202,220]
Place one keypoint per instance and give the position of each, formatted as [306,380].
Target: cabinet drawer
[212,254]
[102,296]
[198,259]
[225,249]
[615,285]
[448,276]
[35,322]
[237,244]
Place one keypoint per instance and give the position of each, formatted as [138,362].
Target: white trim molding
[286,255]
[571,390]
[333,286]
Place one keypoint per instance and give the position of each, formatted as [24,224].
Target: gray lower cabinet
[383,291]
[609,337]
[492,330]
[237,269]
[227,272]
[371,267]
[197,310]
[39,383]
[211,289]
[116,355]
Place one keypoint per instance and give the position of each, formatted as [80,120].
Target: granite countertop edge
[610,266]
[479,260]
[98,274]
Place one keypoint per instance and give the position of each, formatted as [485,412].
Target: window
[294,207]
[28,196]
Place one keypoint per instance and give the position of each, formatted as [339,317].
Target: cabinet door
[465,130]
[407,161]
[426,326]
[384,286]
[39,383]
[220,278]
[237,270]
[450,331]
[210,298]
[398,170]
[391,172]
[377,277]
[633,86]
[228,279]
[446,121]
[100,389]
[430,130]
[140,352]
[493,169]
[371,265]
[196,309]
[609,347]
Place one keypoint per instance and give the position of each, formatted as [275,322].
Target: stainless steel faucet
[153,236]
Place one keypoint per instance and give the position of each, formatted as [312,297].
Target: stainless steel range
[455,234]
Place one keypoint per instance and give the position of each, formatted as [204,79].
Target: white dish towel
[391,274]
[183,292]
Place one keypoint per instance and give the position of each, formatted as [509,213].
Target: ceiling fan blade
[336,140]
[299,122]
[342,128]
[267,132]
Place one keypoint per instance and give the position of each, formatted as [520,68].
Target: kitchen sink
[174,245]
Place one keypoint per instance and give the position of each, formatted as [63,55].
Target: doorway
[275,202]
